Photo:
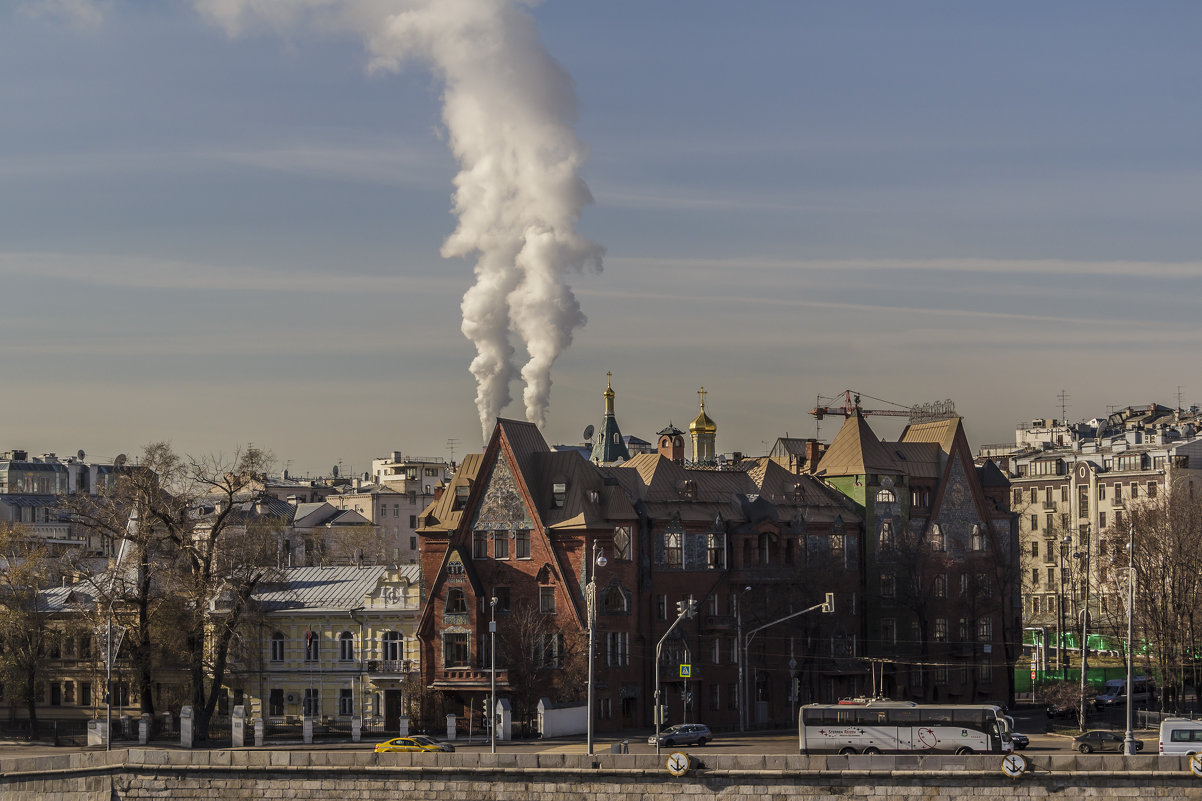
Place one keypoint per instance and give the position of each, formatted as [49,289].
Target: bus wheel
[963,751]
[872,751]
[847,751]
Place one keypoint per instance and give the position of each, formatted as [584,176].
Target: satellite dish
[588,433]
[334,471]
[284,475]
[80,454]
[120,460]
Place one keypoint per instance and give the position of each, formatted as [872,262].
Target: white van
[1180,736]
[1115,692]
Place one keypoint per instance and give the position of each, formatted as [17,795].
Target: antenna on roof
[120,460]
[79,453]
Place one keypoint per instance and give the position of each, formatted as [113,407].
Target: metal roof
[326,588]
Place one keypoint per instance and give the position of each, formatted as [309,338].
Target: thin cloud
[168,274]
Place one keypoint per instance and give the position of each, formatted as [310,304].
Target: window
[500,545]
[1035,577]
[1118,518]
[275,702]
[456,602]
[938,541]
[1018,497]
[1118,493]
[622,543]
[479,544]
[1134,490]
[661,607]
[940,585]
[1051,576]
[1036,605]
[312,646]
[716,651]
[984,671]
[673,555]
[1034,548]
[1101,492]
[613,601]
[546,600]
[888,585]
[559,494]
[716,697]
[522,545]
[732,696]
[85,693]
[886,496]
[277,647]
[1101,520]
[1151,489]
[888,631]
[346,702]
[985,629]
[886,536]
[346,646]
[716,551]
[978,537]
[941,629]
[548,650]
[312,701]
[1034,495]
[412,521]
[393,643]
[455,650]
[617,649]
[1035,522]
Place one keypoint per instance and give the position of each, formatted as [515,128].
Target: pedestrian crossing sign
[686,671]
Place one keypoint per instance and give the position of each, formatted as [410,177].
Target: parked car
[1020,740]
[1180,736]
[684,734]
[1101,740]
[418,742]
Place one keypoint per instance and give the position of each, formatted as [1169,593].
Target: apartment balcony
[466,678]
[390,668]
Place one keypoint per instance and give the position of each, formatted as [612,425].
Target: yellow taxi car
[417,742]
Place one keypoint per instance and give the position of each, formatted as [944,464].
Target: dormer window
[460,498]
[594,496]
[559,494]
[688,489]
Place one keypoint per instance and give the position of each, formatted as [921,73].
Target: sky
[218,230]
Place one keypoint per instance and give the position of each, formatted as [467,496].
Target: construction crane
[918,413]
[851,405]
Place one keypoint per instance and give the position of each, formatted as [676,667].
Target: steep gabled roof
[856,451]
[941,432]
[441,514]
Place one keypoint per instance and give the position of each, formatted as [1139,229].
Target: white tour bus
[883,726]
[1180,736]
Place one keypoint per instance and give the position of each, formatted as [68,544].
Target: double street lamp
[590,601]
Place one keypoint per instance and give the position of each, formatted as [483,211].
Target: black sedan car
[1101,740]
[1020,740]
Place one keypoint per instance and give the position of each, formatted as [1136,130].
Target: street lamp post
[590,601]
[492,672]
[826,606]
[739,639]
[1129,741]
[1061,662]
[1083,556]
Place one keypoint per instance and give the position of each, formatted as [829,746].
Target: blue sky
[217,239]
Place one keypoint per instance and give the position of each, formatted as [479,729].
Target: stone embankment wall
[362,776]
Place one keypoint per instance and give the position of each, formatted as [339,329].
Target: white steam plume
[509,110]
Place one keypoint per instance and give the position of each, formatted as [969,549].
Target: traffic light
[686,608]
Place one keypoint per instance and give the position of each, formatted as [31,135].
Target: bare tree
[25,622]
[187,560]
[538,656]
[1168,562]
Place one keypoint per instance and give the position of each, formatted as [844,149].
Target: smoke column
[509,111]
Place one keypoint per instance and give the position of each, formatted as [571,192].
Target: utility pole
[1083,556]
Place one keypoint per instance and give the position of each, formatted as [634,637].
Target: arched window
[346,646]
[277,647]
[456,602]
[312,646]
[614,601]
[394,645]
[885,496]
